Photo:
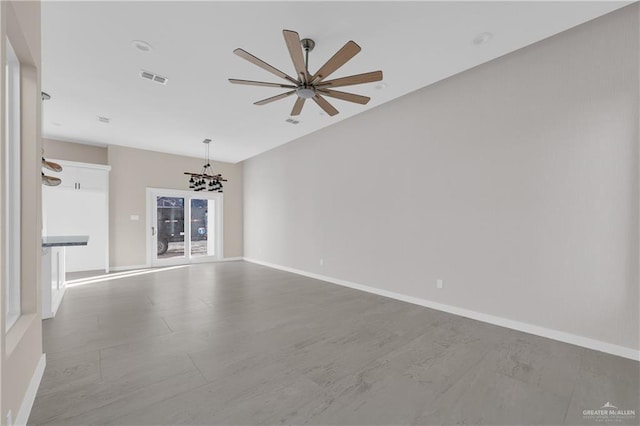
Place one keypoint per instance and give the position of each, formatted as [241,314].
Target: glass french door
[185,226]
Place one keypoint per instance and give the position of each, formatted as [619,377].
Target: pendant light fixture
[206,180]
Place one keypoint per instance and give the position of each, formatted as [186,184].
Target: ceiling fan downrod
[307,45]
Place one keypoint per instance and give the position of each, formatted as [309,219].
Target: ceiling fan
[307,85]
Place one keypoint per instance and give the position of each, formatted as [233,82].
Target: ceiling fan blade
[262,64]
[295,50]
[50,165]
[351,97]
[50,181]
[275,98]
[260,83]
[367,77]
[326,106]
[297,107]
[341,57]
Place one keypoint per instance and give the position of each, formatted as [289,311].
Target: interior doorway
[183,227]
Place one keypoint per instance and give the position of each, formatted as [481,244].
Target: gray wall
[515,182]
[72,151]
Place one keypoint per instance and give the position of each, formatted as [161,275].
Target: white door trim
[151,193]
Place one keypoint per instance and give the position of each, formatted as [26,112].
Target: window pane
[170,227]
[202,227]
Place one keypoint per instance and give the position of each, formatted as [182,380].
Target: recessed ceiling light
[381,86]
[482,38]
[142,45]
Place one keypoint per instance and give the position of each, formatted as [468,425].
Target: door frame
[151,224]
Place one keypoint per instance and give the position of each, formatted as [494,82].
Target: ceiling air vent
[292,121]
[104,119]
[153,77]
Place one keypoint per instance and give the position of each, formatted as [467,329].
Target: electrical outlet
[134,217]
[321,262]
[439,284]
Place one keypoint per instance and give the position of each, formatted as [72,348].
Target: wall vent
[147,75]
[292,121]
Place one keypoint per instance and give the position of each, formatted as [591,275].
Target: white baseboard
[549,333]
[30,395]
[127,268]
[205,260]
[132,267]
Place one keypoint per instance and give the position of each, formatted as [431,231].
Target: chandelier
[206,180]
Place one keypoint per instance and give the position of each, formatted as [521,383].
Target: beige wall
[133,171]
[515,182]
[71,151]
[21,347]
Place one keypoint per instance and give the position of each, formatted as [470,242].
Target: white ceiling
[91,69]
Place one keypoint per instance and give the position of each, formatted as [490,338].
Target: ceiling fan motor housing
[306,92]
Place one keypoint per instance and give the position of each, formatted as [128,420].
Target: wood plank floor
[237,343]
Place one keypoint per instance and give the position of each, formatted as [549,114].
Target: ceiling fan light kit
[307,85]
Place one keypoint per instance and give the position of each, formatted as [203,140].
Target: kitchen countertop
[65,240]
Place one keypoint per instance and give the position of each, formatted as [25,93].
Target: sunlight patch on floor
[120,275]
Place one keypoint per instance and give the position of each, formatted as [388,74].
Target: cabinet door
[91,179]
[68,176]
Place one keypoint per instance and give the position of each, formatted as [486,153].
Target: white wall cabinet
[83,178]
[80,206]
